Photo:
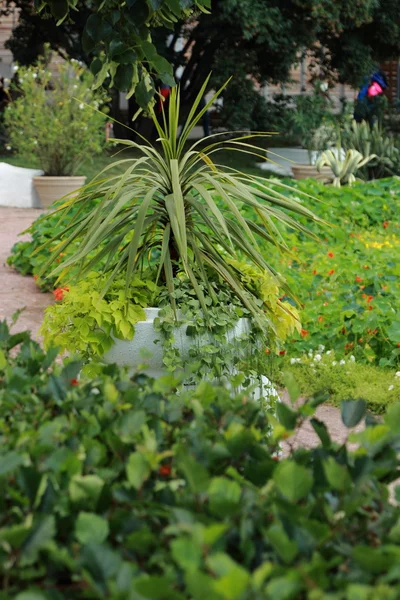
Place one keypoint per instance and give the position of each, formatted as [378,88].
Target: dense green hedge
[124,489]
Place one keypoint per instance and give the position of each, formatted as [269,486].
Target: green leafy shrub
[121,489]
[52,118]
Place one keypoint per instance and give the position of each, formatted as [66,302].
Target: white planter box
[135,353]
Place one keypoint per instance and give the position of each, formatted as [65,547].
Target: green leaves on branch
[121,34]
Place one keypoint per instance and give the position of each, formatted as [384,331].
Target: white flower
[81,105]
[35,143]
[317,357]
[21,80]
[329,352]
[352,358]
[34,75]
[15,68]
[6,80]
[334,363]
[75,86]
[8,147]
[390,388]
[342,362]
[397,374]
[324,86]
[321,347]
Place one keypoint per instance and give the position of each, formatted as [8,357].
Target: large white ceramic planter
[50,189]
[146,349]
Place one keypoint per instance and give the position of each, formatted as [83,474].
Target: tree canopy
[255,41]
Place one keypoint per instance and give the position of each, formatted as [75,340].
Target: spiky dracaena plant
[177,209]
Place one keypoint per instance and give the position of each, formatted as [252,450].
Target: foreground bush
[122,489]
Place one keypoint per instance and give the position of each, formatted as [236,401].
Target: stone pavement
[17,291]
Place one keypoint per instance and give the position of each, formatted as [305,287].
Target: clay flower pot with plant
[51,123]
[169,254]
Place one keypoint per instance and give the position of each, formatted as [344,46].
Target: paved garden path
[17,291]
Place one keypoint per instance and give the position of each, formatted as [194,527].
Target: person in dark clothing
[367,103]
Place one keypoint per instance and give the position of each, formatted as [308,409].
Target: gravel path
[17,291]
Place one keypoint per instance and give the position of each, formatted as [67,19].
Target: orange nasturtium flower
[58,293]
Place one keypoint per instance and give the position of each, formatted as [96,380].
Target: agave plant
[373,140]
[177,209]
[343,169]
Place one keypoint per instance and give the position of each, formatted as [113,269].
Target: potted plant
[310,122]
[52,122]
[175,218]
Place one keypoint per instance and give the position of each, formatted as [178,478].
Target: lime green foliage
[55,117]
[176,210]
[85,322]
[322,372]
[122,489]
[348,280]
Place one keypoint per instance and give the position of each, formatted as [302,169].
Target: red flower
[331,272]
[370,298]
[358,279]
[398,345]
[365,267]
[326,303]
[304,332]
[385,224]
[314,272]
[343,331]
[59,293]
[164,470]
[320,318]
[294,249]
[282,353]
[267,351]
[74,382]
[370,307]
[35,277]
[330,254]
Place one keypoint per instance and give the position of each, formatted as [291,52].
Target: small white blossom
[317,357]
[342,362]
[35,143]
[324,86]
[34,75]
[352,358]
[329,352]
[397,374]
[8,147]
[6,80]
[334,363]
[321,347]
[390,388]
[15,68]
[75,86]
[81,105]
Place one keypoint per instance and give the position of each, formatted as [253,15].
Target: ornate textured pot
[144,350]
[311,171]
[50,189]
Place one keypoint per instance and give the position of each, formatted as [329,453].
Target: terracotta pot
[307,171]
[51,189]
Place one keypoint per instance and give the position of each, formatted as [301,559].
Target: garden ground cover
[348,283]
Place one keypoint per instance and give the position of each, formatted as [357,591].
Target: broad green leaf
[392,417]
[196,475]
[42,532]
[353,411]
[9,462]
[186,553]
[90,527]
[286,416]
[293,481]
[286,549]
[138,470]
[85,489]
[337,475]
